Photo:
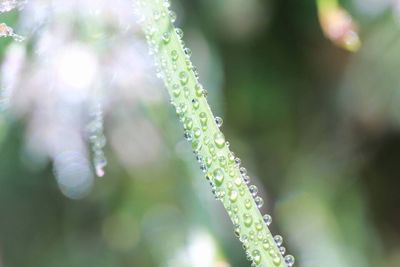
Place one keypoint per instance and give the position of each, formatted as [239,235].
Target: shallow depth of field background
[317,127]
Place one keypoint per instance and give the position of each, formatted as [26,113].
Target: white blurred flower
[85,57]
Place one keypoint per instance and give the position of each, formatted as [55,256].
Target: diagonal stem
[222,169]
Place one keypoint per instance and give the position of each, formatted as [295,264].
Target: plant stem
[338,25]
[222,169]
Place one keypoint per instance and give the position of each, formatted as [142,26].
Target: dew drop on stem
[289,260]
[267,219]
[278,240]
[219,121]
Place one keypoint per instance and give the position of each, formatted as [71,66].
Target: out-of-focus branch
[338,25]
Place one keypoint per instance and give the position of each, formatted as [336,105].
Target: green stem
[222,169]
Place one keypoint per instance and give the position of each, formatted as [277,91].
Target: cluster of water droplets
[229,181]
[258,225]
[97,139]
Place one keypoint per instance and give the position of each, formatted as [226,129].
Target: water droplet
[243,238]
[211,149]
[238,161]
[187,51]
[235,220]
[179,32]
[237,231]
[100,162]
[229,185]
[253,190]
[247,219]
[174,55]
[213,190]
[266,244]
[238,182]
[188,63]
[258,225]
[219,140]
[181,109]
[183,77]
[195,103]
[172,16]
[246,179]
[188,124]
[208,161]
[233,196]
[241,191]
[259,202]
[231,157]
[99,171]
[256,257]
[218,177]
[267,219]
[219,121]
[187,135]
[203,168]
[248,256]
[186,92]
[282,250]
[195,71]
[278,240]
[197,132]
[276,259]
[199,90]
[203,119]
[289,260]
[251,235]
[166,3]
[247,204]
[166,37]
[219,194]
[222,161]
[176,91]
[196,146]
[199,158]
[243,171]
[235,209]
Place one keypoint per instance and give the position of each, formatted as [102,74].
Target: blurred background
[317,127]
